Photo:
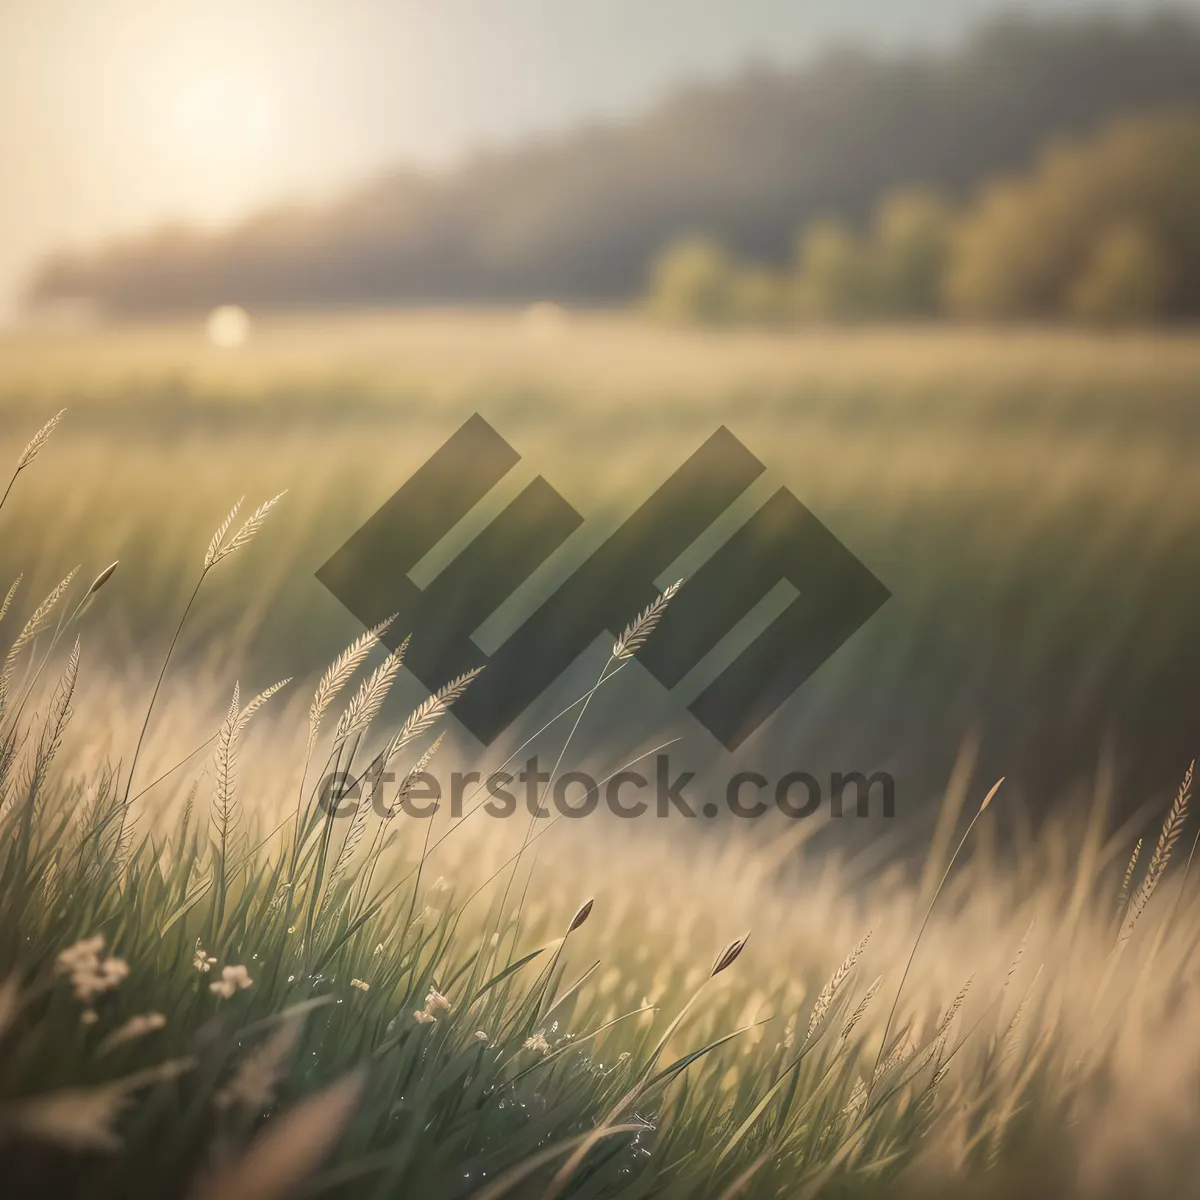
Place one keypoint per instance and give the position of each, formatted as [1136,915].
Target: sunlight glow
[224,117]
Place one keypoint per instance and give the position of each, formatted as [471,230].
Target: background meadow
[1026,497]
[941,281]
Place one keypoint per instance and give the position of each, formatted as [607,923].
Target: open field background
[1029,498]
[936,266]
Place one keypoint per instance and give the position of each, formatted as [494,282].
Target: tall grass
[1028,498]
[213,1008]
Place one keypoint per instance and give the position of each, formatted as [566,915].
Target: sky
[117,115]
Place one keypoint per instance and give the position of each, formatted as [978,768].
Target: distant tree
[1105,228]
[760,296]
[693,281]
[834,276]
[912,236]
[1124,281]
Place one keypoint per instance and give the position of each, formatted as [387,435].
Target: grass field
[1030,501]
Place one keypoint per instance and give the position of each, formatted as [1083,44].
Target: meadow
[305,1006]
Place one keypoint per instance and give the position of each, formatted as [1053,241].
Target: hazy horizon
[149,114]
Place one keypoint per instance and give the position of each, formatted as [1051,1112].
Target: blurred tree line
[1102,230]
[576,217]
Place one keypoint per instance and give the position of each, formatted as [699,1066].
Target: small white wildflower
[436,1002]
[84,955]
[422,1017]
[232,978]
[360,984]
[538,1043]
[113,971]
[201,960]
[90,973]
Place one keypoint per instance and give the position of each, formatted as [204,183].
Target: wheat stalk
[1168,836]
[895,1057]
[1172,827]
[218,548]
[860,1011]
[643,625]
[418,768]
[337,674]
[258,701]
[428,713]
[329,686]
[829,992]
[288,1147]
[729,954]
[84,1118]
[250,527]
[225,773]
[402,792]
[225,809]
[948,1019]
[189,806]
[133,1029]
[31,629]
[58,715]
[253,1085]
[364,706]
[8,599]
[34,446]
[929,912]
[32,449]
[350,844]
[1123,898]
[217,538]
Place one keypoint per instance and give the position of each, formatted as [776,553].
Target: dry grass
[1028,498]
[690,1059]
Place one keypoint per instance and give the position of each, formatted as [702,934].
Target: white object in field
[228,326]
[544,321]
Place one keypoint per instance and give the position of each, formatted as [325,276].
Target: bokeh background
[937,265]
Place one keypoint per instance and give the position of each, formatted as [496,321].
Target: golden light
[228,326]
[224,116]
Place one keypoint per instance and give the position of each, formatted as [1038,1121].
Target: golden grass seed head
[582,913]
[729,955]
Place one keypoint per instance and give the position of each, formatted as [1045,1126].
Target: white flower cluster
[232,979]
[435,1003]
[202,960]
[538,1043]
[91,972]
